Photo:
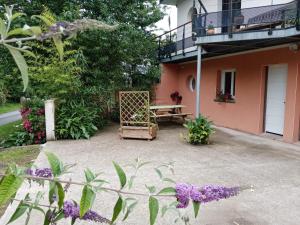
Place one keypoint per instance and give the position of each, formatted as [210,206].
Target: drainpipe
[198,80]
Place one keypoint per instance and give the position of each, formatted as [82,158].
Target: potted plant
[210,28]
[224,97]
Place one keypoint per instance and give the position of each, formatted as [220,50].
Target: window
[228,82]
[192,83]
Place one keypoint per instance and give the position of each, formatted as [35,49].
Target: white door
[276,93]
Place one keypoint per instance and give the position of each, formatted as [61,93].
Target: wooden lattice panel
[134,108]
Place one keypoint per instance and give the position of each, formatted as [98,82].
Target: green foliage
[153,208]
[121,174]
[196,206]
[117,209]
[18,138]
[49,76]
[3,94]
[32,130]
[55,164]
[8,187]
[75,120]
[199,131]
[21,209]
[87,200]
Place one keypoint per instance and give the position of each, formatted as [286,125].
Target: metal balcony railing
[271,17]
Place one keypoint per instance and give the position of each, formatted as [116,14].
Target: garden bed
[7,129]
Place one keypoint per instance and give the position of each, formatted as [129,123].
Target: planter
[135,132]
[225,100]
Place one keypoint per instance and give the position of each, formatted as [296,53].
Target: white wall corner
[50,119]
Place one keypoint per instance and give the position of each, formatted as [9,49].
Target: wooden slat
[156,107]
[171,115]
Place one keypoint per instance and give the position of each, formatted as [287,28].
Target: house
[236,62]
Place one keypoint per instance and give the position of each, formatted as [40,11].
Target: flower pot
[211,31]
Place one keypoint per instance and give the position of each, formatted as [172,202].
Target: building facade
[235,62]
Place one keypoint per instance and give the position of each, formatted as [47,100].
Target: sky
[164,24]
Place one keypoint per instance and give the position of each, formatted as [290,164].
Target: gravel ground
[233,158]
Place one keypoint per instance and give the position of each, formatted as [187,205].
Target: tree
[123,59]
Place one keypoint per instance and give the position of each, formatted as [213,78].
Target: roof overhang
[168,2]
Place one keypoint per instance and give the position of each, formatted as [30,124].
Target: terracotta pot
[211,31]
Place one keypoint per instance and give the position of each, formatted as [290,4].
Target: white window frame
[233,77]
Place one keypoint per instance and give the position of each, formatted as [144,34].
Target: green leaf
[59,216]
[117,209]
[158,173]
[60,194]
[129,210]
[21,209]
[52,190]
[44,19]
[196,206]
[121,174]
[55,164]
[9,186]
[89,176]
[87,199]
[2,28]
[59,46]
[130,182]
[16,15]
[151,189]
[167,190]
[19,31]
[169,180]
[153,208]
[21,63]
[48,215]
[37,31]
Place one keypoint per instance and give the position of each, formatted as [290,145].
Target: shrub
[33,116]
[76,120]
[3,94]
[33,130]
[199,131]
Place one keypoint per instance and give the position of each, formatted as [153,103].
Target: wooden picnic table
[168,111]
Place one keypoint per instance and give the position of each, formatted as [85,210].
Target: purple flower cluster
[44,172]
[72,210]
[208,193]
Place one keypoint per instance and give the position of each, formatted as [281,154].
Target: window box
[225,100]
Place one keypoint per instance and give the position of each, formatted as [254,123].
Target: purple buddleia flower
[183,195]
[208,193]
[29,172]
[71,210]
[211,193]
[45,173]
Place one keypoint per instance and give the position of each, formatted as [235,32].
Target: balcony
[232,31]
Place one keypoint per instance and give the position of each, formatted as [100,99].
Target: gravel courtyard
[233,158]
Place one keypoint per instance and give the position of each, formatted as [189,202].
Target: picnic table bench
[168,111]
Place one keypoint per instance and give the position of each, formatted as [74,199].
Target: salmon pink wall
[247,114]
[168,84]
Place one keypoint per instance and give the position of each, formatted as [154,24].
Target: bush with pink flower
[33,129]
